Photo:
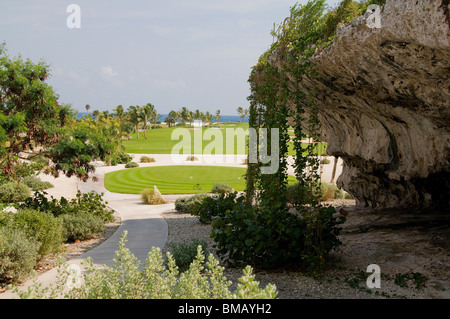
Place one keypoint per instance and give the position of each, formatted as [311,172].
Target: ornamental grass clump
[150,197]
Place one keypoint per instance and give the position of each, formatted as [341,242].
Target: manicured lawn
[159,141]
[174,179]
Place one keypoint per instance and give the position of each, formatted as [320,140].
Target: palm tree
[218,117]
[88,107]
[118,111]
[148,112]
[95,114]
[190,117]
[242,112]
[184,112]
[171,118]
[208,117]
[134,115]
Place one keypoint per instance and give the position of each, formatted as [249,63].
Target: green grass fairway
[159,141]
[174,179]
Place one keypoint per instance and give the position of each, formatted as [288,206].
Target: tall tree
[134,115]
[218,117]
[88,107]
[31,116]
[148,110]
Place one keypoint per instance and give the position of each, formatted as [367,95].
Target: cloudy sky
[172,53]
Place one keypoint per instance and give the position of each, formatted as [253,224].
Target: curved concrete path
[144,223]
[145,226]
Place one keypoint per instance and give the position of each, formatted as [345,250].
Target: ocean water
[223,118]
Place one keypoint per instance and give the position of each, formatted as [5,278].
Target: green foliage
[156,279]
[186,205]
[131,165]
[419,280]
[185,253]
[90,203]
[146,159]
[43,228]
[249,235]
[35,184]
[81,226]
[215,206]
[18,254]
[150,198]
[13,192]
[221,188]
[123,158]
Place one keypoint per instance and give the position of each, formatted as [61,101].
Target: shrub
[248,235]
[43,227]
[81,226]
[221,188]
[126,279]
[185,253]
[84,203]
[123,158]
[36,184]
[13,192]
[6,219]
[38,159]
[150,198]
[325,161]
[131,165]
[18,254]
[191,158]
[215,206]
[186,205]
[146,159]
[297,194]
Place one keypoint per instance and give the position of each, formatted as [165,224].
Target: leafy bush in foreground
[146,159]
[131,165]
[185,253]
[157,279]
[43,228]
[18,254]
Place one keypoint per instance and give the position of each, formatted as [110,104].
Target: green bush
[13,192]
[131,165]
[185,253]
[38,159]
[150,198]
[6,219]
[81,226]
[90,203]
[325,161]
[297,194]
[186,205]
[122,158]
[43,227]
[36,184]
[221,188]
[191,158]
[215,206]
[18,254]
[157,279]
[271,239]
[146,159]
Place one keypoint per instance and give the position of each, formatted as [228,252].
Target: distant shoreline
[223,118]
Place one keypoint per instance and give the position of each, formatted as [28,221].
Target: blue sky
[173,53]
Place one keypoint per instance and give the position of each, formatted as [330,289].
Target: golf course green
[181,179]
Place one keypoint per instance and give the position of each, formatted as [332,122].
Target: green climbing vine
[266,231]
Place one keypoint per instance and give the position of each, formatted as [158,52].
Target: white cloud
[107,71]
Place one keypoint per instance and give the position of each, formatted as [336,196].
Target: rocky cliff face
[384,104]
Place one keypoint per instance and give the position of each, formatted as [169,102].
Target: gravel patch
[401,251]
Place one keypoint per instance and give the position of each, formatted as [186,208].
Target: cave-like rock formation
[384,96]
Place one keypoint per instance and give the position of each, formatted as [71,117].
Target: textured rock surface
[384,105]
